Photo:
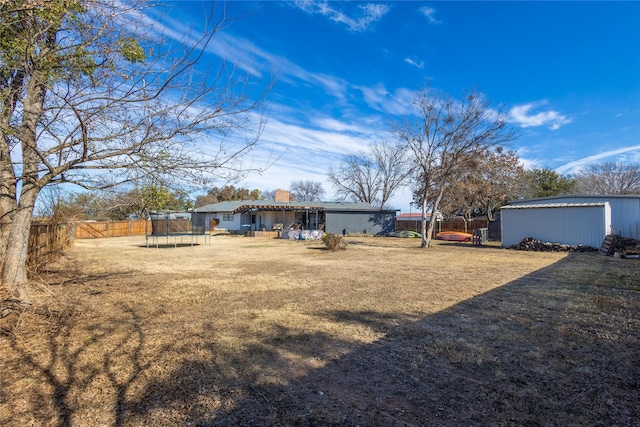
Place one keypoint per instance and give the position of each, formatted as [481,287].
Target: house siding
[204,219]
[572,224]
[371,223]
[337,217]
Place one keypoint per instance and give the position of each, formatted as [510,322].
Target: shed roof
[549,199]
[555,205]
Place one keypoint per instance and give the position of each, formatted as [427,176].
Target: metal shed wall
[378,222]
[571,224]
[625,210]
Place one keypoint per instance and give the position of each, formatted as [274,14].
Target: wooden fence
[463,226]
[46,240]
[100,229]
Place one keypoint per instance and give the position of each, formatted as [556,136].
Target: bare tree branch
[609,178]
[448,136]
[373,176]
[92,94]
[307,190]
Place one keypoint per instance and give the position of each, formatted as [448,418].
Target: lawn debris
[621,247]
[535,245]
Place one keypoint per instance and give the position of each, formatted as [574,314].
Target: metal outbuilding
[624,221]
[567,223]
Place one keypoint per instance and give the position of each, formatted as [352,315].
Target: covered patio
[270,220]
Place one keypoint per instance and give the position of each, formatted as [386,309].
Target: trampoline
[176,230]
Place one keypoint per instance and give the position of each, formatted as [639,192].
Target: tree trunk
[5,228]
[490,216]
[7,174]
[425,242]
[429,231]
[14,268]
[426,238]
[16,241]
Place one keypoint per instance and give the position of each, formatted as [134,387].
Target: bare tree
[57,206]
[120,203]
[448,137]
[372,176]
[485,186]
[356,178]
[609,178]
[268,194]
[91,95]
[307,191]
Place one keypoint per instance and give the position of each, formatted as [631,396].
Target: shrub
[334,242]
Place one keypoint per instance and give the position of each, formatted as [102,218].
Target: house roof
[239,206]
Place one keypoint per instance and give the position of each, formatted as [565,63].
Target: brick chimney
[281,196]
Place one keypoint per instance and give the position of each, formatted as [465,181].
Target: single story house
[571,219]
[333,217]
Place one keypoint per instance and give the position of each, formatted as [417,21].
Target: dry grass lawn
[250,331]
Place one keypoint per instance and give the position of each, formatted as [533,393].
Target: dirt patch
[249,331]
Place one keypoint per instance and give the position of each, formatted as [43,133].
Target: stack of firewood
[531,244]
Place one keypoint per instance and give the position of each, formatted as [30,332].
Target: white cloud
[378,98]
[529,163]
[523,116]
[430,12]
[180,36]
[576,165]
[256,62]
[335,125]
[415,63]
[361,20]
[245,55]
[305,150]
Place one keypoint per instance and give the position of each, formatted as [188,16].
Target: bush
[334,242]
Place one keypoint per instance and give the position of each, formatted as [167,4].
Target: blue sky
[567,72]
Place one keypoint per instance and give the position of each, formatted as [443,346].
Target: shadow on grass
[169,246]
[533,352]
[63,372]
[546,349]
